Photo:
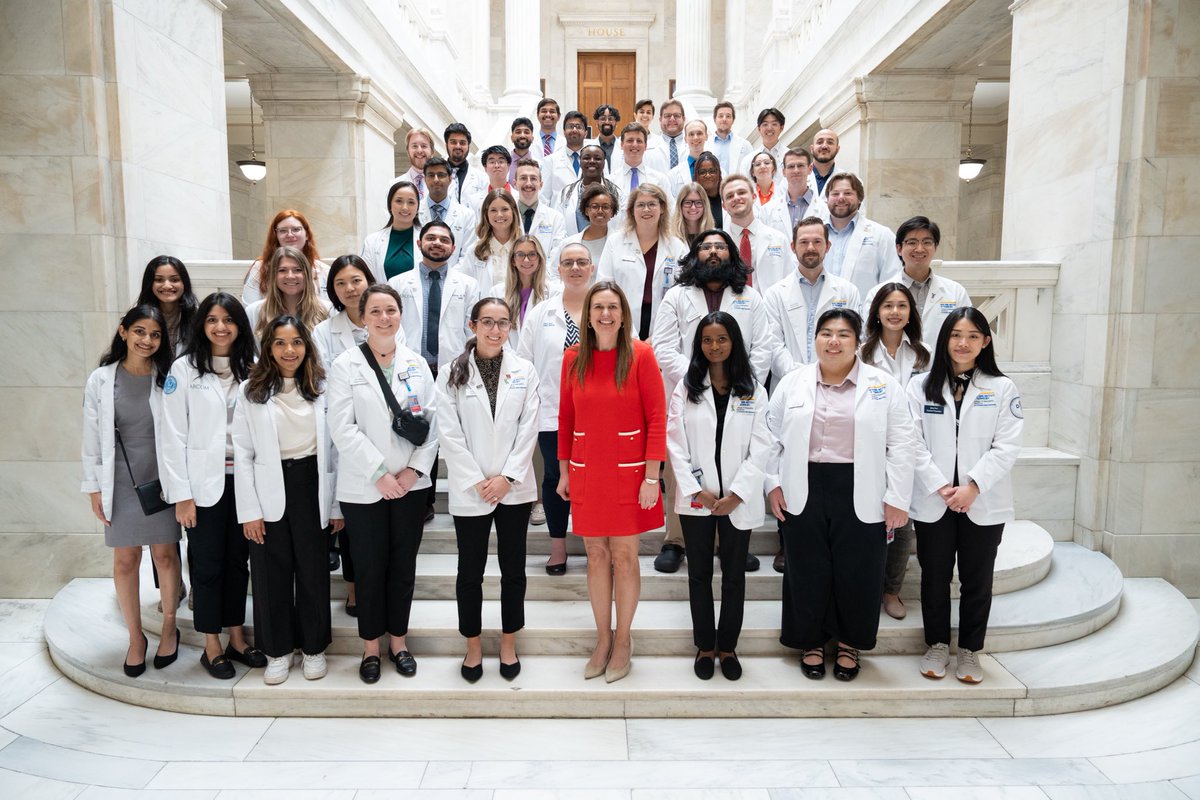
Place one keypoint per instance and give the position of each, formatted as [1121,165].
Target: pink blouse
[832,437]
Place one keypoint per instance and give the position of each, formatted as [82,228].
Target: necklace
[383,355]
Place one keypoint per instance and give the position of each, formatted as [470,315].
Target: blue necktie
[633,180]
[575,162]
[674,152]
[438,210]
[433,312]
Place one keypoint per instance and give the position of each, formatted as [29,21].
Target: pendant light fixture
[969,168]
[253,169]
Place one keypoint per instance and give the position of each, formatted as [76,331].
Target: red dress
[607,436]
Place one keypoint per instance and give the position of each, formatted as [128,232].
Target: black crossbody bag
[405,424]
[149,494]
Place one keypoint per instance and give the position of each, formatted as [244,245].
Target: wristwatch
[418,473]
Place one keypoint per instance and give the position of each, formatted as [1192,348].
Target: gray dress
[130,527]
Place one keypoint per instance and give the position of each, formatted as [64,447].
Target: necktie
[747,257]
[433,312]
[438,211]
[575,162]
[674,153]
[528,217]
[633,178]
[548,146]
[419,180]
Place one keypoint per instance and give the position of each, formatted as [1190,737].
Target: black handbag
[150,494]
[405,424]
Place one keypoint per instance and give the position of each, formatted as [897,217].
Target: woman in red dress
[612,424]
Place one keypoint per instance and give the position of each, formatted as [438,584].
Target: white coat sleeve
[999,460]
[175,433]
[89,450]
[516,466]
[606,269]
[558,233]
[678,450]
[775,412]
[748,480]
[776,318]
[900,449]
[331,456]
[763,343]
[665,336]
[927,478]
[351,443]
[462,470]
[245,494]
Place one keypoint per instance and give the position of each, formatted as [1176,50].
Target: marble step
[86,640]
[1080,594]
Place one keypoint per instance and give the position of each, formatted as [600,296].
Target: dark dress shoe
[472,674]
[703,667]
[252,657]
[220,667]
[406,665]
[368,670]
[510,671]
[752,563]
[429,512]
[335,560]
[813,671]
[669,559]
[556,569]
[133,670]
[778,563]
[846,673]
[161,662]
[351,609]
[731,668]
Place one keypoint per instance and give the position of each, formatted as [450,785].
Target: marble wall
[1104,176]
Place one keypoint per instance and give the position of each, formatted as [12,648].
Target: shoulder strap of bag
[383,383]
[125,455]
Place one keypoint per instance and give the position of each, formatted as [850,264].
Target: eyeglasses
[600,207]
[926,243]
[487,323]
[693,203]
[706,172]
[289,231]
[709,246]
[521,255]
[570,263]
[645,205]
[672,116]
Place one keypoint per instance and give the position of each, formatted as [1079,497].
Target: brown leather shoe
[894,606]
[777,564]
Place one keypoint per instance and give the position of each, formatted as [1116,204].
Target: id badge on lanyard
[414,405]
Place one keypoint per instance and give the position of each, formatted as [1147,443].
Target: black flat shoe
[352,609]
[335,560]
[406,665]
[731,668]
[252,657]
[368,670]
[510,671]
[220,667]
[162,662]
[703,666]
[556,569]
[472,674]
[813,671]
[752,562]
[133,670]
[846,673]
[669,558]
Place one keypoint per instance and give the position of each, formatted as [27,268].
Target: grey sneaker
[277,670]
[969,670]
[537,516]
[314,667]
[933,665]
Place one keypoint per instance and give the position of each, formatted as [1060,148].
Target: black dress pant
[938,544]
[699,534]
[833,577]
[218,553]
[557,509]
[384,538]
[472,533]
[291,573]
[343,546]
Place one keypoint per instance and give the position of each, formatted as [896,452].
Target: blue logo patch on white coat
[740,304]
[171,385]
[837,304]
[985,399]
[947,307]
[744,406]
[775,251]
[878,391]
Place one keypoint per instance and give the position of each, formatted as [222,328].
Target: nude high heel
[593,670]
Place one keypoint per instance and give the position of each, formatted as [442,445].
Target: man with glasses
[439,206]
[563,167]
[770,128]
[591,171]
[670,146]
[802,199]
[537,219]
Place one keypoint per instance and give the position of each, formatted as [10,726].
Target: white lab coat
[679,314]
[623,262]
[739,149]
[622,175]
[870,256]
[677,178]
[459,217]
[459,294]
[576,238]
[653,158]
[770,249]
[558,172]
[192,441]
[541,343]
[745,444]
[251,294]
[98,448]
[883,441]
[514,333]
[258,468]
[985,441]
[901,367]
[567,203]
[779,150]
[944,296]
[474,190]
[336,335]
[548,227]
[787,315]
[360,423]
[478,445]
[774,214]
[375,248]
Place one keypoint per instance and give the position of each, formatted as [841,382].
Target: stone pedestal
[1103,170]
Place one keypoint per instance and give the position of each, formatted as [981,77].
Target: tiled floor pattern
[58,740]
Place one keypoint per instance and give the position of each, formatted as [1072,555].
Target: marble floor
[58,740]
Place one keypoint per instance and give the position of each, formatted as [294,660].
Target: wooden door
[607,78]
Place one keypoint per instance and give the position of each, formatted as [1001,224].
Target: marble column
[112,150]
[329,144]
[1103,175]
[480,49]
[735,48]
[522,53]
[693,56]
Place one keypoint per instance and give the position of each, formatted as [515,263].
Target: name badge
[947,307]
[744,406]
[837,304]
[543,228]
[934,409]
[985,399]
[877,392]
[741,304]
[775,251]
[414,405]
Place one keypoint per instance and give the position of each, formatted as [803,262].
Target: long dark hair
[587,336]
[689,264]
[460,367]
[912,329]
[187,298]
[395,187]
[737,366]
[241,354]
[339,264]
[942,368]
[266,379]
[119,349]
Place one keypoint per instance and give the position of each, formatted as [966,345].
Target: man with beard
[467,184]
[795,304]
[712,277]
[825,148]
[591,171]
[521,135]
[860,249]
[538,219]
[562,167]
[418,144]
[606,118]
[439,206]
[770,127]
[671,119]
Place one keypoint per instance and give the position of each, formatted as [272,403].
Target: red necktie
[547,148]
[747,258]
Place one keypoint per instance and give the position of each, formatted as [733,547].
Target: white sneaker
[933,665]
[538,515]
[314,666]
[969,670]
[277,670]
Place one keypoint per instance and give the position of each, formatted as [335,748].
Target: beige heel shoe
[612,675]
[593,670]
